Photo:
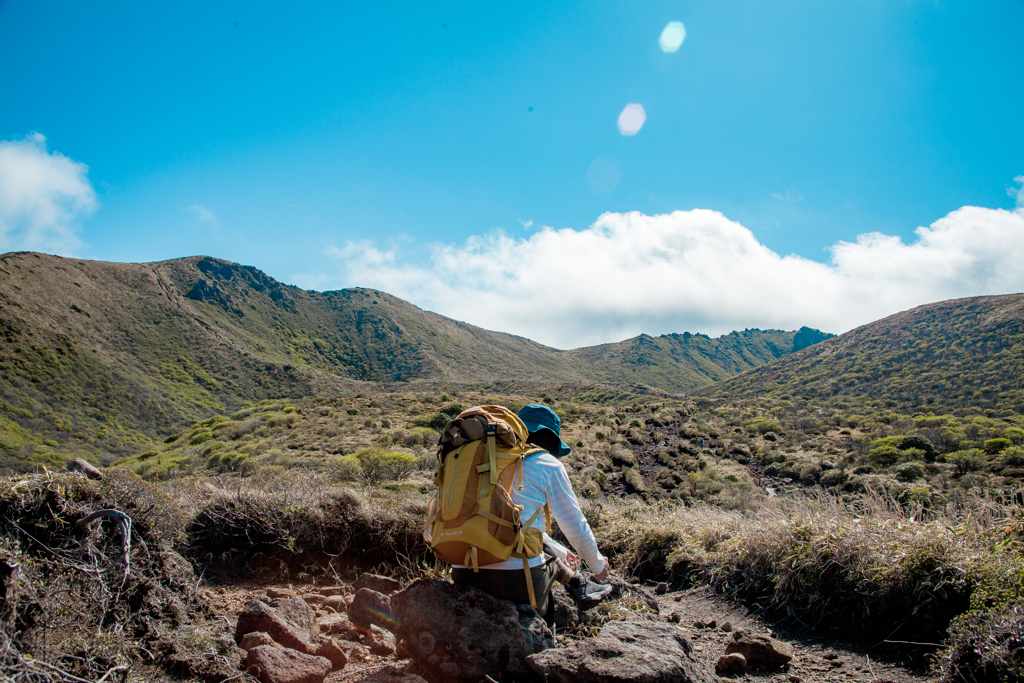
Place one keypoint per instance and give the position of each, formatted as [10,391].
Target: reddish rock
[313,599]
[259,616]
[461,633]
[379,641]
[328,591]
[277,592]
[330,649]
[298,612]
[336,603]
[371,608]
[376,582]
[280,665]
[760,651]
[338,625]
[731,665]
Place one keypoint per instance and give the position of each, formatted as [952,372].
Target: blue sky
[342,144]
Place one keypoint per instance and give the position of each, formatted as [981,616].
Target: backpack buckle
[492,428]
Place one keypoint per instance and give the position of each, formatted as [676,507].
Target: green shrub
[378,464]
[920,443]
[996,446]
[764,426]
[965,461]
[344,468]
[910,471]
[884,455]
[200,437]
[1014,434]
[1012,457]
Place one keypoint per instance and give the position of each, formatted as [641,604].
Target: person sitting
[545,483]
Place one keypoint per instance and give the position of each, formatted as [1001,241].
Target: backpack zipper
[455,478]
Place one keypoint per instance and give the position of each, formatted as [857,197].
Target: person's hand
[572,561]
[603,574]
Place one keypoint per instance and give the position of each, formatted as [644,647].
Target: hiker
[546,483]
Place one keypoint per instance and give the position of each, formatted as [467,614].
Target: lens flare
[672,36]
[632,118]
[604,175]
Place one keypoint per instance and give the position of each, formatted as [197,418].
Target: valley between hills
[861,489]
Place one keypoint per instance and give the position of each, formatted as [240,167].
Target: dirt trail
[816,660]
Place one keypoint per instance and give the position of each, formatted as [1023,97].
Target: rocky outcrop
[761,652]
[270,664]
[648,652]
[458,633]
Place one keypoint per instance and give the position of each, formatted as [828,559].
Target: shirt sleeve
[566,510]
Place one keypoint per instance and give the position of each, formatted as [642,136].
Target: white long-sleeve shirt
[546,481]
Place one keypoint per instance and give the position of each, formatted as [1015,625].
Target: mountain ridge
[107,355]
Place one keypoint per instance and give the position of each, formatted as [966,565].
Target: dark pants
[510,584]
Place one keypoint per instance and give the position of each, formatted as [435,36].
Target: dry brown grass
[872,565]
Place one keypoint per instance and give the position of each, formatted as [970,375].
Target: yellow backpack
[472,520]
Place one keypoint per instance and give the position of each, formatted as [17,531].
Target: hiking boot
[584,589]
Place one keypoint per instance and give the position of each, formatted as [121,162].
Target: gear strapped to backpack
[472,520]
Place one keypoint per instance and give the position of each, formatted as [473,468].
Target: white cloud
[526,224]
[203,214]
[1018,193]
[691,271]
[42,197]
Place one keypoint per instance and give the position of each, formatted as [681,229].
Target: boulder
[761,652]
[330,649]
[259,616]
[370,608]
[567,614]
[627,651]
[86,468]
[298,612]
[270,664]
[459,633]
[376,582]
[255,639]
[339,626]
[379,641]
[731,665]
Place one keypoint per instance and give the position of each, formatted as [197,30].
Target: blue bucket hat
[537,417]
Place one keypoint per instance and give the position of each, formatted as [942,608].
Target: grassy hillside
[100,358]
[959,356]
